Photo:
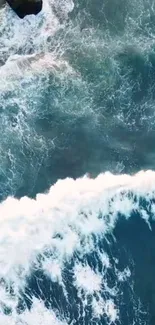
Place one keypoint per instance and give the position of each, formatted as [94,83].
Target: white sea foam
[106,308]
[18,67]
[24,46]
[70,209]
[31,32]
[87,279]
[38,315]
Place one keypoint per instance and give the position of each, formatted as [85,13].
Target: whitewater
[77,180]
[59,244]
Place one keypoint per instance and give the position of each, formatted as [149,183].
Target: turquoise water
[77,125]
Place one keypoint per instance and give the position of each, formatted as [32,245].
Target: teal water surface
[77,97]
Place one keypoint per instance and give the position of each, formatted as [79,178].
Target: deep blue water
[77,99]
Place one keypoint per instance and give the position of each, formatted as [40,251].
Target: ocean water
[77,161]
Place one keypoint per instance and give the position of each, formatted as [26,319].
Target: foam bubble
[122,276]
[106,308]
[53,270]
[87,279]
[110,310]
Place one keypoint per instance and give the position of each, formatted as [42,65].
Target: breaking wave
[62,259]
